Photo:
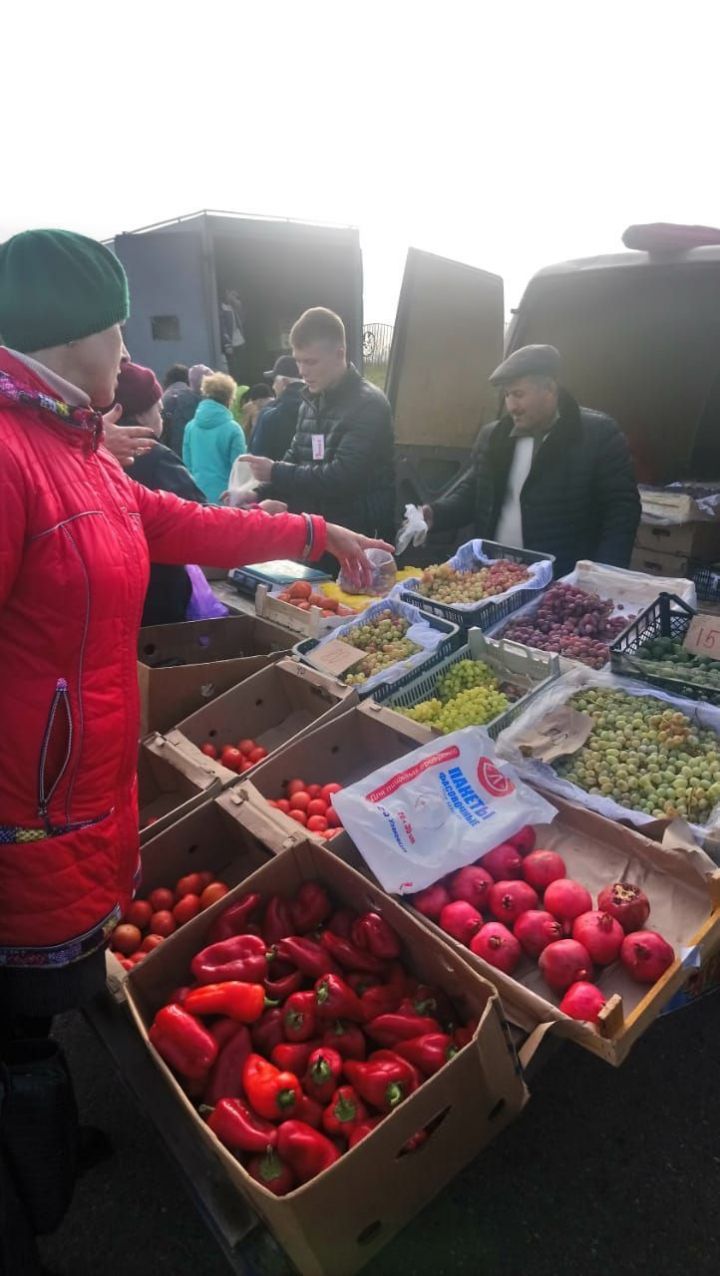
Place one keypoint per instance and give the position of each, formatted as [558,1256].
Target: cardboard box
[182,667]
[657,562]
[336,1223]
[164,794]
[271,707]
[686,540]
[685,903]
[341,751]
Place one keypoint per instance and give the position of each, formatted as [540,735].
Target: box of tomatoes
[343,1140]
[298,607]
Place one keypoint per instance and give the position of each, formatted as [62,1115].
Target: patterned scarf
[85,419]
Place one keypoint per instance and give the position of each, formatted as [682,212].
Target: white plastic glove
[413,531]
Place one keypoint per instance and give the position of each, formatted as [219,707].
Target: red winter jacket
[75,533]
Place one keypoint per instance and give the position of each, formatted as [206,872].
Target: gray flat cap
[528,361]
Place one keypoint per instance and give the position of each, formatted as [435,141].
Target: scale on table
[276,575]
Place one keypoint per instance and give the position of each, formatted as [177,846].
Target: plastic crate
[488,612]
[667,617]
[707,584]
[434,658]
[509,660]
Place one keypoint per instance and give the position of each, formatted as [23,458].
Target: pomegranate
[600,934]
[646,956]
[536,929]
[471,884]
[543,867]
[566,900]
[583,1001]
[498,946]
[626,903]
[563,963]
[460,920]
[507,900]
[524,841]
[502,862]
[431,901]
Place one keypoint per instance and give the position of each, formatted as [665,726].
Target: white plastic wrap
[557,694]
[413,531]
[470,557]
[436,809]
[420,632]
[241,484]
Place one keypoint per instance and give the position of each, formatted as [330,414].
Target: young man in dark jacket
[179,405]
[549,475]
[276,425]
[341,460]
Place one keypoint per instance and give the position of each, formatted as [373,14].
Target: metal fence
[377,339]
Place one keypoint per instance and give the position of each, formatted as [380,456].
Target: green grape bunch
[384,642]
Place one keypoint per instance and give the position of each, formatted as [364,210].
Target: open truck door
[448,338]
[173,305]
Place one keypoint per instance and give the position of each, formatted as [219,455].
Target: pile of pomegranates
[519,901]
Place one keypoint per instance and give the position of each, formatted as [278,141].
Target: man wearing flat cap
[549,475]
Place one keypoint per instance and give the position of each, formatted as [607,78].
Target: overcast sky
[507,135]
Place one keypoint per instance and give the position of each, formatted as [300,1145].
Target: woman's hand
[273,507]
[126,442]
[261,466]
[349,549]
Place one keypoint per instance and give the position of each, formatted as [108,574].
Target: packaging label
[318,447]
[703,636]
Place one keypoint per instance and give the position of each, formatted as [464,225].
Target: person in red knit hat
[76,538]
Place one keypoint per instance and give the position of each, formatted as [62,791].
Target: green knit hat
[56,287]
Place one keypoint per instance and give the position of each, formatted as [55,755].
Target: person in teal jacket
[213,439]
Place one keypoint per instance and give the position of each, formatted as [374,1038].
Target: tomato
[327,791]
[161,899]
[271,802]
[300,589]
[139,913]
[300,816]
[208,748]
[303,606]
[332,833]
[188,885]
[282,804]
[247,765]
[231,757]
[150,942]
[246,746]
[187,908]
[205,879]
[126,939]
[162,923]
[313,790]
[294,786]
[333,818]
[136,957]
[300,801]
[317,807]
[317,824]
[327,614]
[258,754]
[213,892]
[316,600]
[330,604]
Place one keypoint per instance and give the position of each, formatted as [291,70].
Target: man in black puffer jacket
[549,475]
[341,461]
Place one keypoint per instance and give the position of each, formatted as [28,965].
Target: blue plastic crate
[488,612]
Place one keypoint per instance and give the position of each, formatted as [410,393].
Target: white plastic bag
[384,575]
[241,484]
[414,529]
[436,809]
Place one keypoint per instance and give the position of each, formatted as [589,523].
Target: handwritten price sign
[703,636]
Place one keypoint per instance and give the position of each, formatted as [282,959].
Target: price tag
[703,636]
[318,447]
[335,657]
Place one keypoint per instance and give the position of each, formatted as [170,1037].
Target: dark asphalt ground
[607,1172]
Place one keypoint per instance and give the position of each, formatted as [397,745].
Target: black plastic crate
[667,617]
[487,613]
[707,583]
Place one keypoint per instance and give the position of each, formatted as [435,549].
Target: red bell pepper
[310,1111]
[233,920]
[300,1016]
[223,1029]
[272,1093]
[336,1000]
[383,1000]
[384,1080]
[178,995]
[429,1052]
[360,981]
[268,1031]
[352,958]
[347,1038]
[430,1001]
[464,1035]
[241,958]
[272,1173]
[226,1076]
[282,981]
[344,1113]
[341,922]
[323,1073]
[373,933]
[389,1029]
[277,922]
[183,1042]
[306,1151]
[292,1056]
[244,1002]
[309,957]
[362,1130]
[239,1129]
[310,907]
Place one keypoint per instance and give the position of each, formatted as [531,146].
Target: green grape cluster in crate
[468,695]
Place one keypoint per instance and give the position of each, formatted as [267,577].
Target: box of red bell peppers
[340,1062]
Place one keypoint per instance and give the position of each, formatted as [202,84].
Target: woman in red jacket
[76,537]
